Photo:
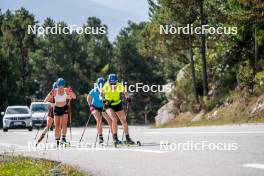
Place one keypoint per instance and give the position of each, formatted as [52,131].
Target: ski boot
[65,143]
[101,141]
[117,142]
[129,141]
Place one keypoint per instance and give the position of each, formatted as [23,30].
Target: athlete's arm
[73,95]
[49,96]
[125,92]
[70,94]
[89,100]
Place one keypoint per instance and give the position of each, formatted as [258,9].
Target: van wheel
[30,129]
[5,129]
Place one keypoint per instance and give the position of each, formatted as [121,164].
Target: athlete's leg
[57,120]
[122,116]
[64,121]
[113,117]
[109,121]
[49,124]
[110,112]
[98,118]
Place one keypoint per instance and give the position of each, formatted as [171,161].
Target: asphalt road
[196,151]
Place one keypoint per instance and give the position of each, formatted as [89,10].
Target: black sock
[100,136]
[57,140]
[115,136]
[63,137]
[127,137]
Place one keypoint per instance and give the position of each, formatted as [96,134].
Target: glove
[68,90]
[128,99]
[52,92]
[91,108]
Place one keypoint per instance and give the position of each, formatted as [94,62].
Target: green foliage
[133,68]
[246,77]
[20,166]
[29,63]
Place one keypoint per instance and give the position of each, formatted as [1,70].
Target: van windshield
[39,107]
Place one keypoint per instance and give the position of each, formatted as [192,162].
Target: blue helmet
[60,82]
[54,85]
[100,82]
[112,78]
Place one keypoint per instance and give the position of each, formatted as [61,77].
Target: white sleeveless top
[60,98]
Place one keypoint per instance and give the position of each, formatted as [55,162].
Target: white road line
[12,146]
[206,132]
[254,165]
[19,148]
[97,149]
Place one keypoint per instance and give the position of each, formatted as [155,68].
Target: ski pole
[108,137]
[47,136]
[40,125]
[126,118]
[96,140]
[70,114]
[86,125]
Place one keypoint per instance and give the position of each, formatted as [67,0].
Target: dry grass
[237,112]
[22,166]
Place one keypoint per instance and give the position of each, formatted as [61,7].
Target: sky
[114,13]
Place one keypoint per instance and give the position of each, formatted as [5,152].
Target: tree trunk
[203,53]
[256,55]
[193,70]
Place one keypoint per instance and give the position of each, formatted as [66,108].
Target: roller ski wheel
[65,143]
[117,143]
[99,145]
[129,142]
[132,143]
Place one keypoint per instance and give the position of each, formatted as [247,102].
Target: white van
[39,111]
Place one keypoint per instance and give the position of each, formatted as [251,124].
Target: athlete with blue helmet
[61,95]
[50,117]
[96,108]
[111,92]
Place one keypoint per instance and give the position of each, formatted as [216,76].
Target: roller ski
[64,143]
[128,142]
[117,143]
[100,142]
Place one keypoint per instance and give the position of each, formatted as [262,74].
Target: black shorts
[116,108]
[51,114]
[59,111]
[98,109]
